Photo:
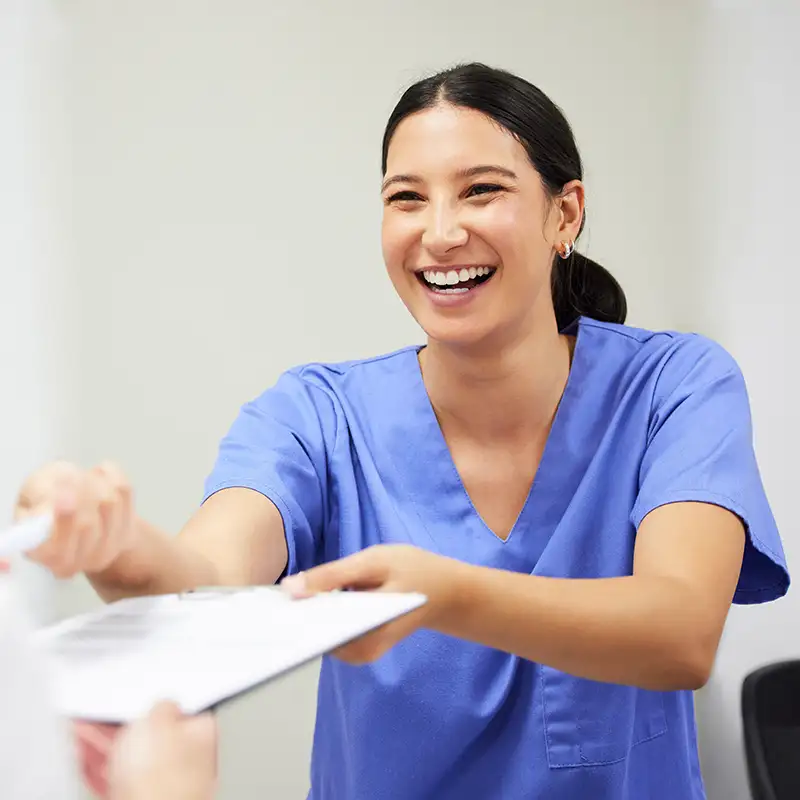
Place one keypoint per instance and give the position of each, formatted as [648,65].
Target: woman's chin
[458,333]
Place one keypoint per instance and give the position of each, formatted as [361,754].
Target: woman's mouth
[455,281]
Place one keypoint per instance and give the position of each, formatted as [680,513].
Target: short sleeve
[278,446]
[700,448]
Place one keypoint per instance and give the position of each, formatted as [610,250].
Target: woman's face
[467,238]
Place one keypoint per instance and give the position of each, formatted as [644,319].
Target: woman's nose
[443,231]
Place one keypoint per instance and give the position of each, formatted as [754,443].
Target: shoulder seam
[319,390]
[620,331]
[343,366]
[730,371]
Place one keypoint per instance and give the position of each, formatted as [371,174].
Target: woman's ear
[571,204]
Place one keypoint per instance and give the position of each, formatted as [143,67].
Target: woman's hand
[387,568]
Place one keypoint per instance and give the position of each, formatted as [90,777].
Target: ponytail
[582,288]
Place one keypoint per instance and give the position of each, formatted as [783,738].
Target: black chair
[771,727]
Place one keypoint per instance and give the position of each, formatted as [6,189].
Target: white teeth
[453,277]
[436,278]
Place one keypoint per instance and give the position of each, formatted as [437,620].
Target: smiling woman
[578,499]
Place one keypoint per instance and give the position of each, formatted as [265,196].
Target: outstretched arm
[235,538]
[658,628]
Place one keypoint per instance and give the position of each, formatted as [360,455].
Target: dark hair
[580,286]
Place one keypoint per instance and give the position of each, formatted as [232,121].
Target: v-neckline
[453,483]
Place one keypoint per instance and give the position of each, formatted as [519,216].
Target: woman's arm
[235,538]
[658,628]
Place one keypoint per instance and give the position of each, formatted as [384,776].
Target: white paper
[201,648]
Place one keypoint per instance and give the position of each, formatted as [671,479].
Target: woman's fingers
[364,570]
[373,645]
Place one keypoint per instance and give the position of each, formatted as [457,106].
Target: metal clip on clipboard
[214,592]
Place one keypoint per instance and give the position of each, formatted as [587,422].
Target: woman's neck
[501,393]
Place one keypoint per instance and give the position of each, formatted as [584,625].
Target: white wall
[33,356]
[746,208]
[225,216]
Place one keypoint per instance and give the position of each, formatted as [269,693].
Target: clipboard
[199,649]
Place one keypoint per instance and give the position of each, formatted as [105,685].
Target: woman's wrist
[155,563]
[454,603]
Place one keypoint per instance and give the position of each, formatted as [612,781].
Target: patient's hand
[95,743]
[165,756]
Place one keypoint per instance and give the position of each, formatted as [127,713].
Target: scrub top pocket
[588,723]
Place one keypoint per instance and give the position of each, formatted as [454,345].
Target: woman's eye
[404,196]
[484,189]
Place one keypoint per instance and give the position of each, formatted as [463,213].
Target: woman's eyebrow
[400,179]
[469,172]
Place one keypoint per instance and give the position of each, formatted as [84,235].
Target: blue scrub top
[352,455]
